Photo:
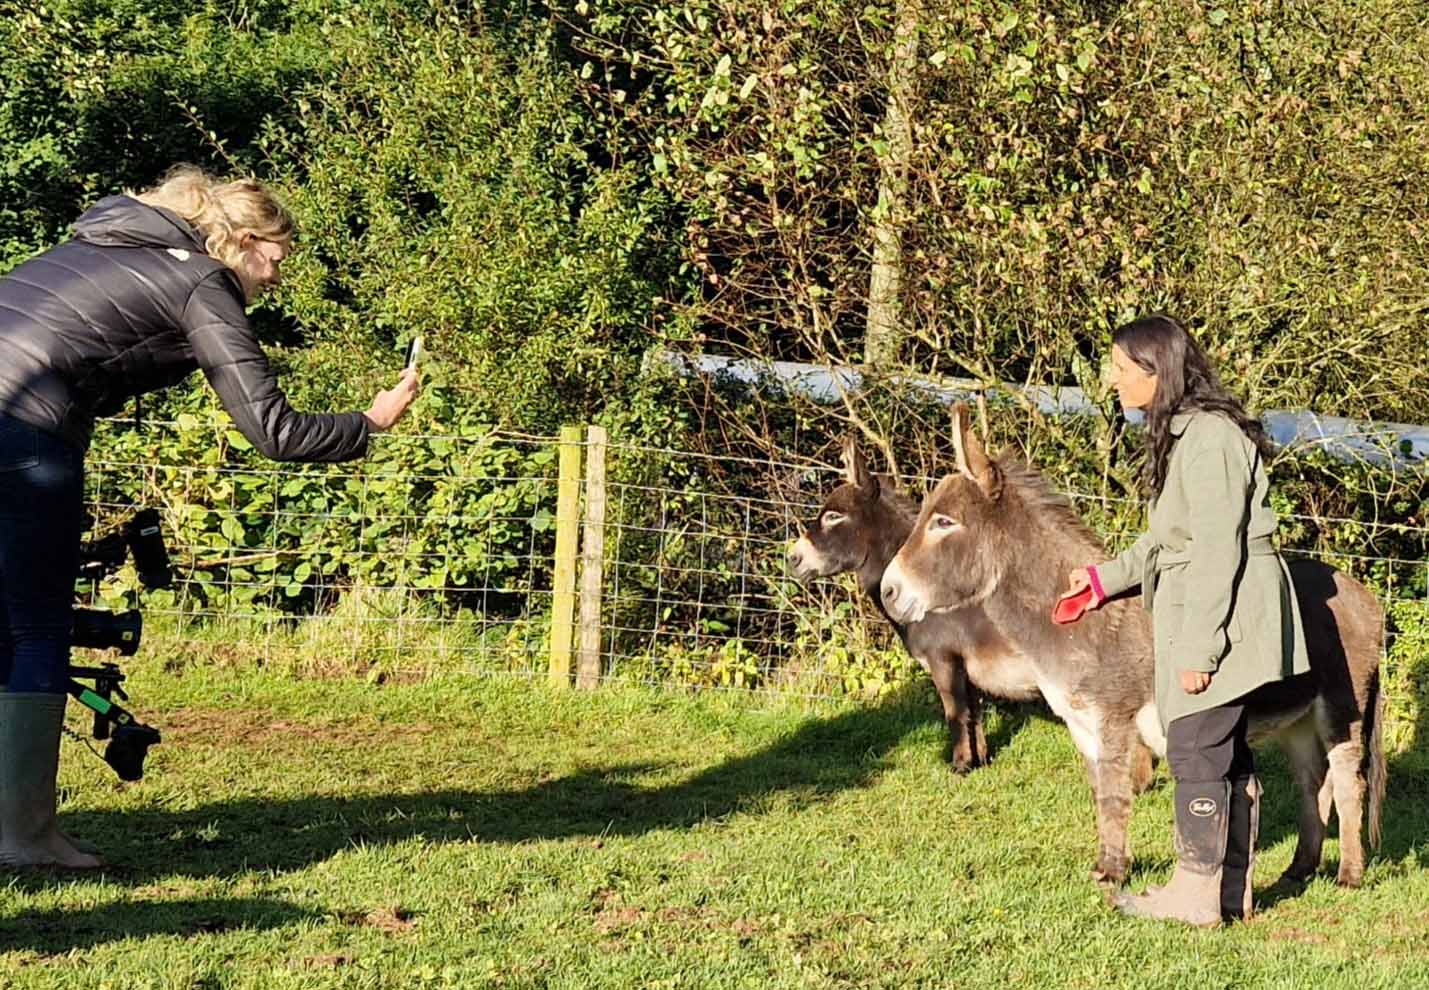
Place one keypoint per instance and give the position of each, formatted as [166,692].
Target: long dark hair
[1185,381]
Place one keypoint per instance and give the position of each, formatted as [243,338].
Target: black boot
[1236,893]
[1194,893]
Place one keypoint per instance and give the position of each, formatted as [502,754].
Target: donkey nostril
[890,593]
[796,559]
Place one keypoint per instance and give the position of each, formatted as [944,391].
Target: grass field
[466,832]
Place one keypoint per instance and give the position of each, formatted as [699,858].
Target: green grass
[466,832]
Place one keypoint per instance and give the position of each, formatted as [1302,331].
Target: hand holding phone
[390,405]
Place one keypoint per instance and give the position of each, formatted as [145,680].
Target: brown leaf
[745,927]
[391,919]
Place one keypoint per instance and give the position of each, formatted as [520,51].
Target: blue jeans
[41,519]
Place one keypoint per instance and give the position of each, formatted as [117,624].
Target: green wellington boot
[29,762]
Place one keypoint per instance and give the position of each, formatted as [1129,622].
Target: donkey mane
[1039,494]
[1052,507]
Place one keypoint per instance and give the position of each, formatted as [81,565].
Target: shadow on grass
[819,759]
[52,932]
[822,757]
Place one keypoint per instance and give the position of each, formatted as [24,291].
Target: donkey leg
[1347,776]
[1143,767]
[1112,776]
[963,722]
[980,750]
[1307,758]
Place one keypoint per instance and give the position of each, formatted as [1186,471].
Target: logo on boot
[1202,807]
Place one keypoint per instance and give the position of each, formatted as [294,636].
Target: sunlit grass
[492,832]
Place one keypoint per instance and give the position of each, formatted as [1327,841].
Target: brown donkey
[859,528]
[996,535]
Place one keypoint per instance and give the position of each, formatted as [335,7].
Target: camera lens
[100,557]
[98,630]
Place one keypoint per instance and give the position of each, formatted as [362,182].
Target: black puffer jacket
[133,304]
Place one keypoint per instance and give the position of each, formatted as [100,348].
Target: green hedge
[548,191]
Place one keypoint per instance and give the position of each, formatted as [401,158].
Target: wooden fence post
[592,560]
[563,585]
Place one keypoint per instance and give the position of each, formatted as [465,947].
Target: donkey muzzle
[900,601]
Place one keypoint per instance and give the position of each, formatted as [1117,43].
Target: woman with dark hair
[151,287]
[1223,609]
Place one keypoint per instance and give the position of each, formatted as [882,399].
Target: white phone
[414,352]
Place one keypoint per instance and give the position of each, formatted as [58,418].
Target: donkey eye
[833,518]
[944,524]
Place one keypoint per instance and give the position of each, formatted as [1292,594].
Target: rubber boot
[29,762]
[80,844]
[1193,895]
[1244,826]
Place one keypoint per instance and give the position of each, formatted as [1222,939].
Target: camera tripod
[130,739]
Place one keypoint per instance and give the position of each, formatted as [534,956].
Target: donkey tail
[1378,771]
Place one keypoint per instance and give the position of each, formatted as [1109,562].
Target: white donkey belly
[1003,673]
[1148,723]
[1083,720]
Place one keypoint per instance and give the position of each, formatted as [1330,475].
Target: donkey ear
[856,471]
[960,421]
[972,459]
[980,467]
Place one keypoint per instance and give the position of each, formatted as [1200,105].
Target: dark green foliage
[1256,170]
[546,192]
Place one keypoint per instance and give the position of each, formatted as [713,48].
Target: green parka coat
[1218,591]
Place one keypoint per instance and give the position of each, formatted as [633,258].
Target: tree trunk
[884,331]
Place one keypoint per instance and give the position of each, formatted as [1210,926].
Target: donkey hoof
[1349,878]
[1291,881]
[1107,874]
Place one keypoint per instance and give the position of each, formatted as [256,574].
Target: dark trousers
[41,519]
[1210,746]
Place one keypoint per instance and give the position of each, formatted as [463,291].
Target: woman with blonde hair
[152,286]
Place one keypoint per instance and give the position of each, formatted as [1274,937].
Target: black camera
[98,630]
[140,536]
[129,739]
[127,749]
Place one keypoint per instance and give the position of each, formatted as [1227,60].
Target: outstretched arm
[239,372]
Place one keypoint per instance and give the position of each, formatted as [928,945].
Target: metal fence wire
[439,554]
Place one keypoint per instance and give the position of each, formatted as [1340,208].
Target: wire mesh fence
[442,554]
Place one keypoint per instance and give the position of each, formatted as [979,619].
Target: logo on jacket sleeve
[179,253]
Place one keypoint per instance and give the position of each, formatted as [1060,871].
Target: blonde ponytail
[221,211]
